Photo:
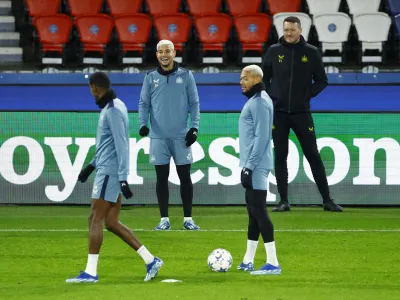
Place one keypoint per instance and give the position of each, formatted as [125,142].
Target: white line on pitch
[204,230]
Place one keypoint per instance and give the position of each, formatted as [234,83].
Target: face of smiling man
[165,55]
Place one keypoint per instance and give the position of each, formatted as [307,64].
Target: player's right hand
[85,173]
[144,131]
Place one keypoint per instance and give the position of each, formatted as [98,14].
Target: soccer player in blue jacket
[168,93]
[111,162]
[256,159]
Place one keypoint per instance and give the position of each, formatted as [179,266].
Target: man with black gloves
[112,164]
[290,67]
[256,159]
[167,94]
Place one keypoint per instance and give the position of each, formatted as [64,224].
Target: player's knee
[281,157]
[184,173]
[312,156]
[259,214]
[187,180]
[162,173]
[258,210]
[90,219]
[111,224]
[162,180]
[96,218]
[253,222]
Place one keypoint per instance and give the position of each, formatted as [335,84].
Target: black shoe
[332,206]
[281,207]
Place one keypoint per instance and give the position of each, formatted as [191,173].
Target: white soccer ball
[220,260]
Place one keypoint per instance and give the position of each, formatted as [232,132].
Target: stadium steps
[10,52]
[5,8]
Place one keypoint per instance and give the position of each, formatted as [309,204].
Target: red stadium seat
[201,7]
[94,32]
[85,7]
[133,32]
[213,31]
[176,28]
[123,7]
[54,32]
[238,7]
[158,7]
[253,31]
[38,8]
[277,6]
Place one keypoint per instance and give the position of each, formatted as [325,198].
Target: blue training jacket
[167,97]
[112,141]
[255,132]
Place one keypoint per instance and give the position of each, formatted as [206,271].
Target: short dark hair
[293,19]
[100,79]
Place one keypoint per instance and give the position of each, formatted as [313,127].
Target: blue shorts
[260,179]
[161,151]
[106,187]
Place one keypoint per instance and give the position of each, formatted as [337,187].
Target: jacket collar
[257,88]
[107,97]
[290,45]
[166,73]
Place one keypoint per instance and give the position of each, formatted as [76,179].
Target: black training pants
[303,126]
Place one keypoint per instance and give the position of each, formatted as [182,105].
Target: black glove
[245,178]
[85,173]
[126,191]
[144,131]
[191,137]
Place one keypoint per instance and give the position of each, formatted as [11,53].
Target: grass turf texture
[351,255]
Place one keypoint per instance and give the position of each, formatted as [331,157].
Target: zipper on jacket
[291,77]
[167,79]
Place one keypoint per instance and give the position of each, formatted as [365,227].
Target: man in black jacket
[290,67]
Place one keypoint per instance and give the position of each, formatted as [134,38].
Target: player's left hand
[191,137]
[126,191]
[246,178]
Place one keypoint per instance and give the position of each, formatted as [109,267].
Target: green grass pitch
[323,255]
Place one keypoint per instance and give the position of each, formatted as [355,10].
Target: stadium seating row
[213,32]
[84,28]
[155,7]
[197,7]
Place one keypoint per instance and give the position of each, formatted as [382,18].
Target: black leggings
[259,221]
[163,191]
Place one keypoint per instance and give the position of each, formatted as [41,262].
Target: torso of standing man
[289,72]
[169,94]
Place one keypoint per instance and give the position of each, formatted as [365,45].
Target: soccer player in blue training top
[168,93]
[111,162]
[255,132]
